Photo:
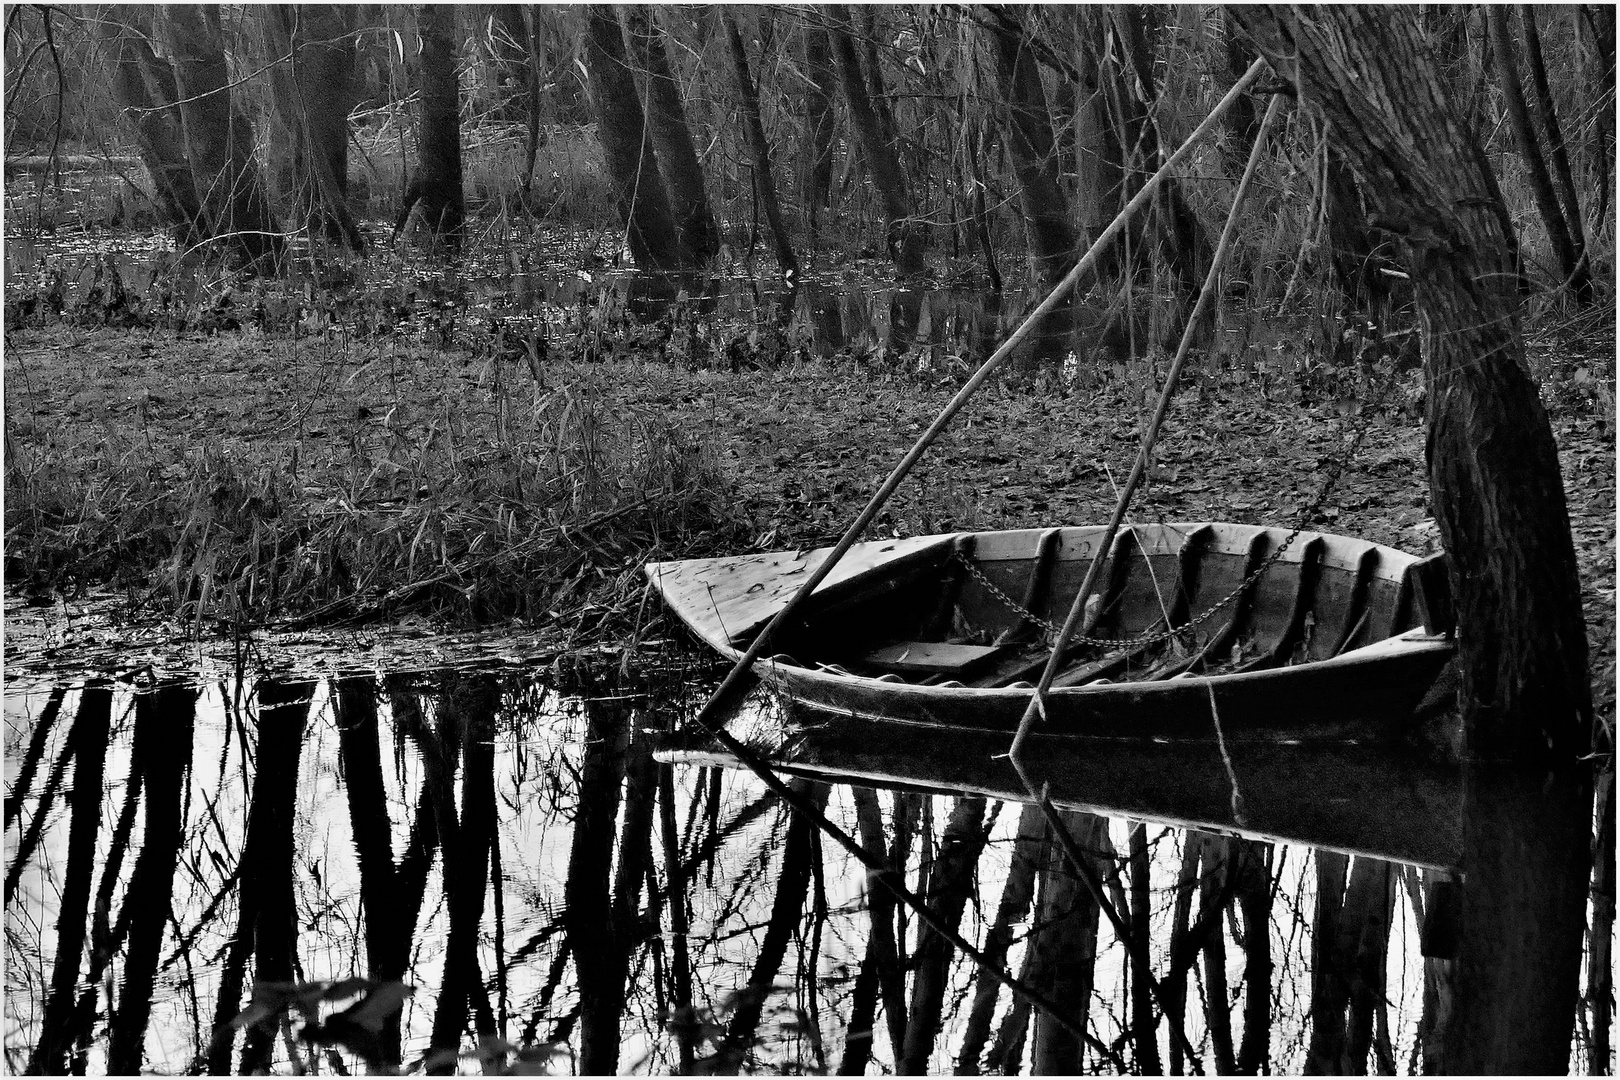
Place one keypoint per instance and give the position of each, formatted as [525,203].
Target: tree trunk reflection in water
[1217,1010]
[469,704]
[1144,1019]
[162,751]
[88,740]
[950,880]
[793,884]
[267,924]
[37,740]
[1527,855]
[389,921]
[683,1025]
[1017,896]
[1600,969]
[598,963]
[1064,946]
[1250,861]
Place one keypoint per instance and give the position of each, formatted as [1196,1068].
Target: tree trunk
[764,181]
[318,93]
[1554,134]
[672,139]
[632,162]
[905,235]
[1048,224]
[144,88]
[1499,501]
[219,139]
[816,181]
[1569,256]
[435,191]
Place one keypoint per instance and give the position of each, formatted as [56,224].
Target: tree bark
[1499,502]
[316,91]
[764,181]
[905,237]
[219,139]
[672,139]
[632,161]
[435,191]
[1048,224]
[1493,466]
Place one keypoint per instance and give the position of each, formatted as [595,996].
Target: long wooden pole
[731,686]
[1144,453]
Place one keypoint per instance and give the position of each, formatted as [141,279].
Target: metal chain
[1305,518]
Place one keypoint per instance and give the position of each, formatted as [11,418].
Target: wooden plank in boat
[728,600]
[932,657]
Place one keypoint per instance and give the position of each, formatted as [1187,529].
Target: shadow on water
[438,870]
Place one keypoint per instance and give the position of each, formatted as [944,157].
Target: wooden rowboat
[1316,639]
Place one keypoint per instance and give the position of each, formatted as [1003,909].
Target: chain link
[1305,518]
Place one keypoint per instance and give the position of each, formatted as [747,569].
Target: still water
[466,871]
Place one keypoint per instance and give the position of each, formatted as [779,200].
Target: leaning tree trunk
[435,190]
[632,162]
[764,180]
[1048,224]
[1575,269]
[219,140]
[1499,501]
[672,139]
[882,159]
[318,92]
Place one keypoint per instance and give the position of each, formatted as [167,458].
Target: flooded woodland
[571,540]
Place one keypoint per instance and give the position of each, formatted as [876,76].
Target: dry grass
[498,508]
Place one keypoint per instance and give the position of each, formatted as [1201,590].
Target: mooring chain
[1153,639]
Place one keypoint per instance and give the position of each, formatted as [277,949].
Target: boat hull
[1246,633]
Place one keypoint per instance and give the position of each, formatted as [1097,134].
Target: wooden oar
[731,686]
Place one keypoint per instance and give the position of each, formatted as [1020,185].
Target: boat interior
[982,610]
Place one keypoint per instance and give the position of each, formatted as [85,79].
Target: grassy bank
[248,478]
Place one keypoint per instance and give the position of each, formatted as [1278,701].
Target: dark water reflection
[182,863]
[853,312]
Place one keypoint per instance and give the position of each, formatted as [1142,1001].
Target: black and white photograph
[782,539]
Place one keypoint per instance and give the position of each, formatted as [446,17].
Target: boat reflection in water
[465,868]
